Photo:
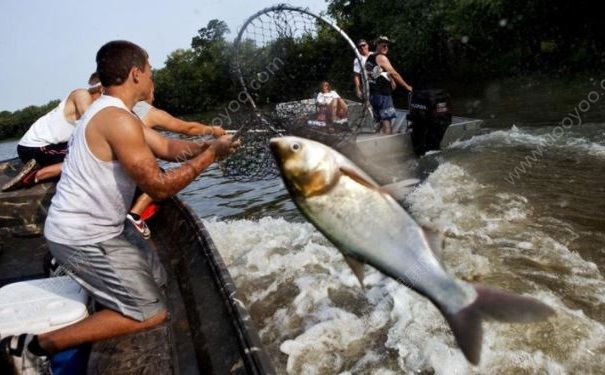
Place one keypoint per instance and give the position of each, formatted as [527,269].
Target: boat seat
[41,305]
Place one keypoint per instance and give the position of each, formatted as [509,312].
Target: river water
[521,208]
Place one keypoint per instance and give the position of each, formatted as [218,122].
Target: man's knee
[156,319]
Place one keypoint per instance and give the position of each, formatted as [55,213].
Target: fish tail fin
[492,304]
[466,326]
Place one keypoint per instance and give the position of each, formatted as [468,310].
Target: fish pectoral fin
[356,267]
[354,175]
[435,240]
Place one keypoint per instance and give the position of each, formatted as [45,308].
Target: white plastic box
[42,305]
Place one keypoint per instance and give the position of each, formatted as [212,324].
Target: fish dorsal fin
[435,240]
[355,176]
[356,267]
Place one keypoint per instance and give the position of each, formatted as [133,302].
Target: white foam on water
[315,319]
[500,230]
[546,138]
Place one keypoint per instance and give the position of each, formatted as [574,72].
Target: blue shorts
[382,107]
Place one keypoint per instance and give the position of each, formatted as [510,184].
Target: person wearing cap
[44,146]
[383,78]
[364,51]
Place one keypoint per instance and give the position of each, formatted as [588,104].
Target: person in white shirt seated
[330,106]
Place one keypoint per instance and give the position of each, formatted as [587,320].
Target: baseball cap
[360,42]
[383,39]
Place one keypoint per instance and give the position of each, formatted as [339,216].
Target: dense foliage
[15,124]
[434,41]
[476,39]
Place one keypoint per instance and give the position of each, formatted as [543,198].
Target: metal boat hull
[209,330]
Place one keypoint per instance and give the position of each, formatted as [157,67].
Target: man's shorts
[123,273]
[382,107]
[47,155]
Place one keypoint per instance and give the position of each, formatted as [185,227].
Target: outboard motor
[430,115]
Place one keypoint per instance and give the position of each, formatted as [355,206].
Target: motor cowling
[430,115]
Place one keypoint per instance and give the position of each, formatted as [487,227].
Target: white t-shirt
[356,66]
[324,98]
[52,128]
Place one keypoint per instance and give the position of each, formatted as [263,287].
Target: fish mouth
[279,148]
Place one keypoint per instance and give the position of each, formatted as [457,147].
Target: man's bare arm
[384,62]
[157,117]
[127,142]
[81,100]
[173,149]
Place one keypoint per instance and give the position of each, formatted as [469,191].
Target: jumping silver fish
[368,226]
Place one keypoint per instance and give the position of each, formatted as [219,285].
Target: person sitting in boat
[330,106]
[44,146]
[112,152]
[152,118]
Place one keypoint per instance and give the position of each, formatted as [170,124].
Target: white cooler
[42,305]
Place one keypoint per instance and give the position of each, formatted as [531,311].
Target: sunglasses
[362,45]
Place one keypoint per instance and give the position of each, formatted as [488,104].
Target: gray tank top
[93,196]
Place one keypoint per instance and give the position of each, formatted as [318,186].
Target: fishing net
[281,56]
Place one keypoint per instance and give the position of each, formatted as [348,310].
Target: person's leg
[134,216]
[48,172]
[342,108]
[141,203]
[99,326]
[322,110]
[386,127]
[374,103]
[41,163]
[121,275]
[387,113]
[333,109]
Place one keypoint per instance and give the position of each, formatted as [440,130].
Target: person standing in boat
[152,118]
[44,146]
[383,78]
[112,152]
[364,51]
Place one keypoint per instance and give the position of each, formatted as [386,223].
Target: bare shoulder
[380,58]
[116,121]
[78,93]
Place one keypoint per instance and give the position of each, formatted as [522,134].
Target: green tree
[197,79]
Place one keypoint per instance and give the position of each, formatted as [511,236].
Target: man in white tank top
[111,152]
[44,146]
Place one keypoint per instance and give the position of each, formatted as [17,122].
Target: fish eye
[295,146]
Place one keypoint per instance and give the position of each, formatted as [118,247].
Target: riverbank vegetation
[433,42]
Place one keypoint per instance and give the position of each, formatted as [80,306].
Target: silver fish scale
[370,226]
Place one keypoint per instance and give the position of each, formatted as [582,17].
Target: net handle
[286,7]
